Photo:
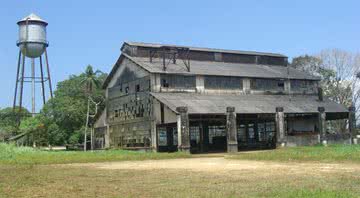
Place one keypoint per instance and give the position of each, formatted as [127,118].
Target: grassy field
[26,172]
[328,154]
[68,181]
[10,154]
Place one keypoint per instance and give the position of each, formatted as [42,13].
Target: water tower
[32,45]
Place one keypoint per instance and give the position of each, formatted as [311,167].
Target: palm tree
[90,81]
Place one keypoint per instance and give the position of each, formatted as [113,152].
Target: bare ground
[216,164]
[205,176]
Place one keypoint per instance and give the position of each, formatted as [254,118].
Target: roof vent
[171,54]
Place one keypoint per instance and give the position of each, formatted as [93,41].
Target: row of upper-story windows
[235,83]
[182,82]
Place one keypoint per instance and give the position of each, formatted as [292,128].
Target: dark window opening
[164,83]
[137,88]
[223,82]
[267,84]
[178,81]
[116,113]
[281,84]
[162,113]
[127,90]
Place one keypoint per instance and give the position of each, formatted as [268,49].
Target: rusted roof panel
[157,45]
[222,69]
[246,104]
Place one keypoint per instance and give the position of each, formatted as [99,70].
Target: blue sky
[91,32]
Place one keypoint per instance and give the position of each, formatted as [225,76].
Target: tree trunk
[87,123]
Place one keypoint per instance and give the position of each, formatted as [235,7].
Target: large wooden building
[169,98]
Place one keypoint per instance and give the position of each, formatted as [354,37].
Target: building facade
[169,98]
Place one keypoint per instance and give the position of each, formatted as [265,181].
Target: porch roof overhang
[247,104]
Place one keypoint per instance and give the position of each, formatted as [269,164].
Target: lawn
[326,154]
[27,172]
[69,181]
[10,154]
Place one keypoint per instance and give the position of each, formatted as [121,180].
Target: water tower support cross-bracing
[32,44]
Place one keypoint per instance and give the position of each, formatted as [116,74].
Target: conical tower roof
[32,17]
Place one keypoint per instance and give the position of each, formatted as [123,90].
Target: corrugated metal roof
[157,45]
[245,104]
[222,69]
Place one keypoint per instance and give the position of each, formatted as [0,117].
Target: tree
[35,130]
[338,70]
[307,63]
[90,81]
[65,114]
[9,121]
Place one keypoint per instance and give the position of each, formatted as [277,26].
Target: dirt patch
[216,164]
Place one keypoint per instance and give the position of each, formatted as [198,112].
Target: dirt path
[216,164]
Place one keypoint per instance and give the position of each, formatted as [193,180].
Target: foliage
[331,153]
[90,80]
[9,121]
[338,70]
[35,129]
[307,63]
[10,154]
[65,114]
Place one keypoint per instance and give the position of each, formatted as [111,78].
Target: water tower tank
[32,36]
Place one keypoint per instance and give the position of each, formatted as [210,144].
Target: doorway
[167,138]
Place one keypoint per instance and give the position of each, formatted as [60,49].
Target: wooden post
[280,126]
[183,129]
[352,123]
[231,132]
[322,125]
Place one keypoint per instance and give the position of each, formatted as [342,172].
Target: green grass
[10,154]
[331,153]
[74,181]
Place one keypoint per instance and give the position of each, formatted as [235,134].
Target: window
[267,84]
[178,81]
[116,113]
[281,85]
[216,131]
[162,136]
[303,85]
[164,83]
[241,133]
[127,90]
[137,88]
[175,136]
[222,82]
[195,134]
[266,130]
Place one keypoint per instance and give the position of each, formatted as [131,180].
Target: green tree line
[62,119]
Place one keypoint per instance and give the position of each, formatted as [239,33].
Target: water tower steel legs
[48,71]
[21,83]
[20,79]
[33,87]
[42,80]
[17,80]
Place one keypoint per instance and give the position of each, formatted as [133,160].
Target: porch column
[352,123]
[183,129]
[280,126]
[153,136]
[231,132]
[322,125]
[107,137]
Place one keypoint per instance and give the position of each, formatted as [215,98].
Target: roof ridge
[157,45]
